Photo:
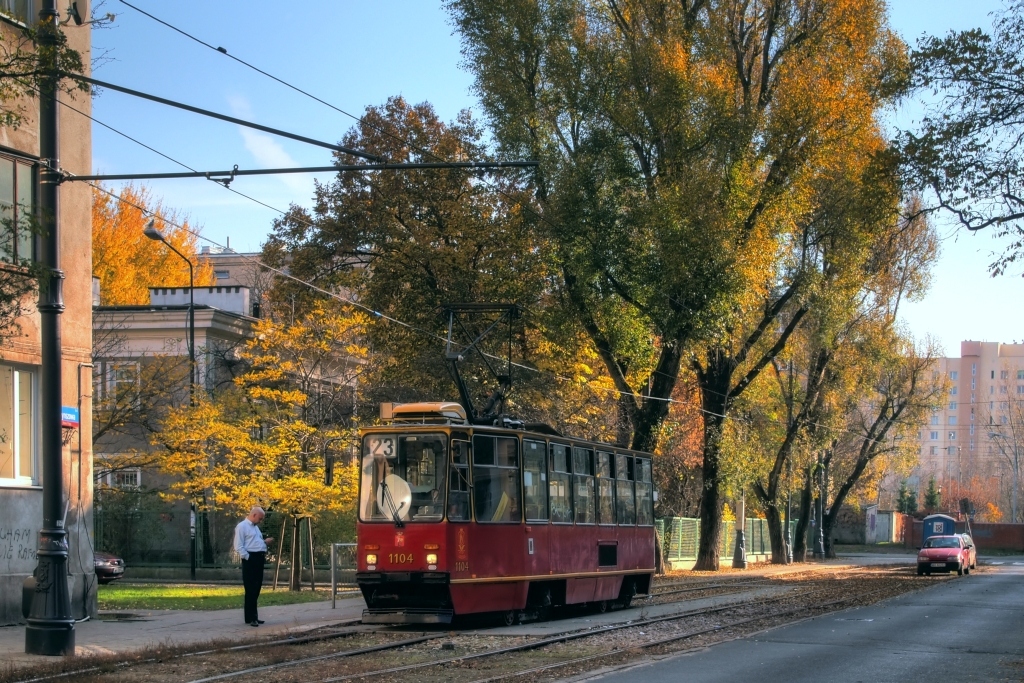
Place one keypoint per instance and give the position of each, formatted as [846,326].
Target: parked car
[944,554]
[970,547]
[108,567]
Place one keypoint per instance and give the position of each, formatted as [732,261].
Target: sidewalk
[122,631]
[141,628]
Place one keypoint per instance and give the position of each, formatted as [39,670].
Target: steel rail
[198,653]
[657,642]
[576,635]
[319,658]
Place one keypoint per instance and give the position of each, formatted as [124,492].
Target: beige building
[977,431]
[21,500]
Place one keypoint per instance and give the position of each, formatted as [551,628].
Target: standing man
[252,548]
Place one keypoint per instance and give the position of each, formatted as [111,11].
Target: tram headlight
[431,558]
[371,558]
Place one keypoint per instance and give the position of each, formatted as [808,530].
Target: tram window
[560,485]
[644,499]
[583,489]
[458,483]
[605,489]
[625,510]
[403,477]
[535,480]
[496,479]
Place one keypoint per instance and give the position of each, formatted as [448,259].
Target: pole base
[53,640]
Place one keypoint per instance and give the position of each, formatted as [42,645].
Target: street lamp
[152,233]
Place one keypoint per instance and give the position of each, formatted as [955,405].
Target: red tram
[458,518]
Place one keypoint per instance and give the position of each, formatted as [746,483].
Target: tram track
[220,658]
[651,644]
[579,635]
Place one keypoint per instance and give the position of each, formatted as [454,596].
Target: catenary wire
[361,120]
[414,328]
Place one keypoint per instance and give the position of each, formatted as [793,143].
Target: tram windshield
[403,477]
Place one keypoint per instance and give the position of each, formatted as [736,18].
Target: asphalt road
[968,629]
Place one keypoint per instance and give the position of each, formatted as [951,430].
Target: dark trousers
[252,579]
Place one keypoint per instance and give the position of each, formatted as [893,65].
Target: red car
[108,567]
[944,554]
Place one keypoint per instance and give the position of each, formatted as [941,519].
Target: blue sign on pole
[69,417]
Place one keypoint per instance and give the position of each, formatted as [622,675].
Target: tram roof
[510,431]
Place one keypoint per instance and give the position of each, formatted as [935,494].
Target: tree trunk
[827,524]
[295,575]
[803,519]
[711,499]
[780,553]
[714,390]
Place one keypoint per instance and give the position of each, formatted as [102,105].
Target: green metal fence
[681,535]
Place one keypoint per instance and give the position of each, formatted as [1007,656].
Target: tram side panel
[492,579]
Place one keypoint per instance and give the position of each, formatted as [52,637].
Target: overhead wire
[383,131]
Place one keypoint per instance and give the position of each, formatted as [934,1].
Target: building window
[126,479]
[952,419]
[972,446]
[115,382]
[974,369]
[973,384]
[951,450]
[1020,389]
[952,436]
[222,274]
[952,405]
[16,208]
[953,374]
[18,425]
[934,436]
[933,450]
[935,419]
[993,374]
[972,430]
[1004,374]
[1020,374]
[23,11]
[952,391]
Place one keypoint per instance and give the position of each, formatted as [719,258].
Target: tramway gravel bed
[778,601]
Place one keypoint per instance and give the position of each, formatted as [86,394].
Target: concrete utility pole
[51,626]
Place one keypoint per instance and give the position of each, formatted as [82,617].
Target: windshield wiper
[390,501]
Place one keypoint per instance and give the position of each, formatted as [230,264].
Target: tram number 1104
[400,558]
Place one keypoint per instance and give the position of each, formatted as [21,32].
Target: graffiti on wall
[17,545]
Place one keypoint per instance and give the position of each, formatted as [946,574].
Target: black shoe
[260,621]
[254,623]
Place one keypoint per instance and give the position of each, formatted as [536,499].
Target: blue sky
[355,54]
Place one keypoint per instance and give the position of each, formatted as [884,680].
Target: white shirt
[248,539]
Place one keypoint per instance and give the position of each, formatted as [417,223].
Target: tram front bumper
[406,597]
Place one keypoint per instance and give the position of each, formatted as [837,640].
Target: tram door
[537,544]
[497,506]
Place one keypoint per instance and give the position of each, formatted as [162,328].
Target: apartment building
[981,424]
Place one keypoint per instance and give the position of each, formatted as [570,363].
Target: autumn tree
[407,242]
[897,394]
[968,149]
[679,144]
[265,439]
[126,261]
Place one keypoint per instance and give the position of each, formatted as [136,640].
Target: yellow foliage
[263,440]
[126,261]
